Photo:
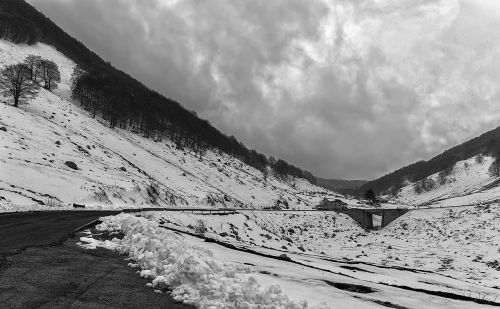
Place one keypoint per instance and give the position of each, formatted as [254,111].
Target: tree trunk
[16,101]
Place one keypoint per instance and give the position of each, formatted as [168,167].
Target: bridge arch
[364,216]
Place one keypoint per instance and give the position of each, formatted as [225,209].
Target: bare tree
[33,63]
[370,195]
[77,73]
[479,159]
[15,81]
[50,74]
[494,169]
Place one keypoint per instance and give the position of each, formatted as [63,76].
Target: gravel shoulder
[50,272]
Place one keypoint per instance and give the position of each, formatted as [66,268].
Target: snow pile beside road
[192,272]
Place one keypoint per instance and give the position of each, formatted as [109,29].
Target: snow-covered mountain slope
[116,168]
[468,182]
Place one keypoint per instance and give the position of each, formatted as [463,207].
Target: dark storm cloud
[344,88]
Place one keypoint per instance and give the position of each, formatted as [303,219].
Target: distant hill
[339,184]
[487,144]
[469,182]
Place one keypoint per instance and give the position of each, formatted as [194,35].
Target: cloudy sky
[346,89]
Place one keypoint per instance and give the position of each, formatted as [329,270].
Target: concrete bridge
[364,216]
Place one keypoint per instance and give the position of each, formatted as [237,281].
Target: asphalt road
[42,267]
[31,229]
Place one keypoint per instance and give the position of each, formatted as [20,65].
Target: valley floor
[249,260]
[460,242]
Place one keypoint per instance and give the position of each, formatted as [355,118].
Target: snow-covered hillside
[469,182]
[457,242]
[275,230]
[116,168]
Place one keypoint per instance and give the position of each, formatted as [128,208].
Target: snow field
[209,275]
[190,271]
[275,230]
[463,243]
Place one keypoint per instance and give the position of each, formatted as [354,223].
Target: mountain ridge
[339,184]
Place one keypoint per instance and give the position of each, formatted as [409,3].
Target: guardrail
[192,210]
[224,211]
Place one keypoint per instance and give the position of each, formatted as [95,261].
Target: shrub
[443,175]
[53,202]
[495,264]
[153,191]
[200,227]
[424,185]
